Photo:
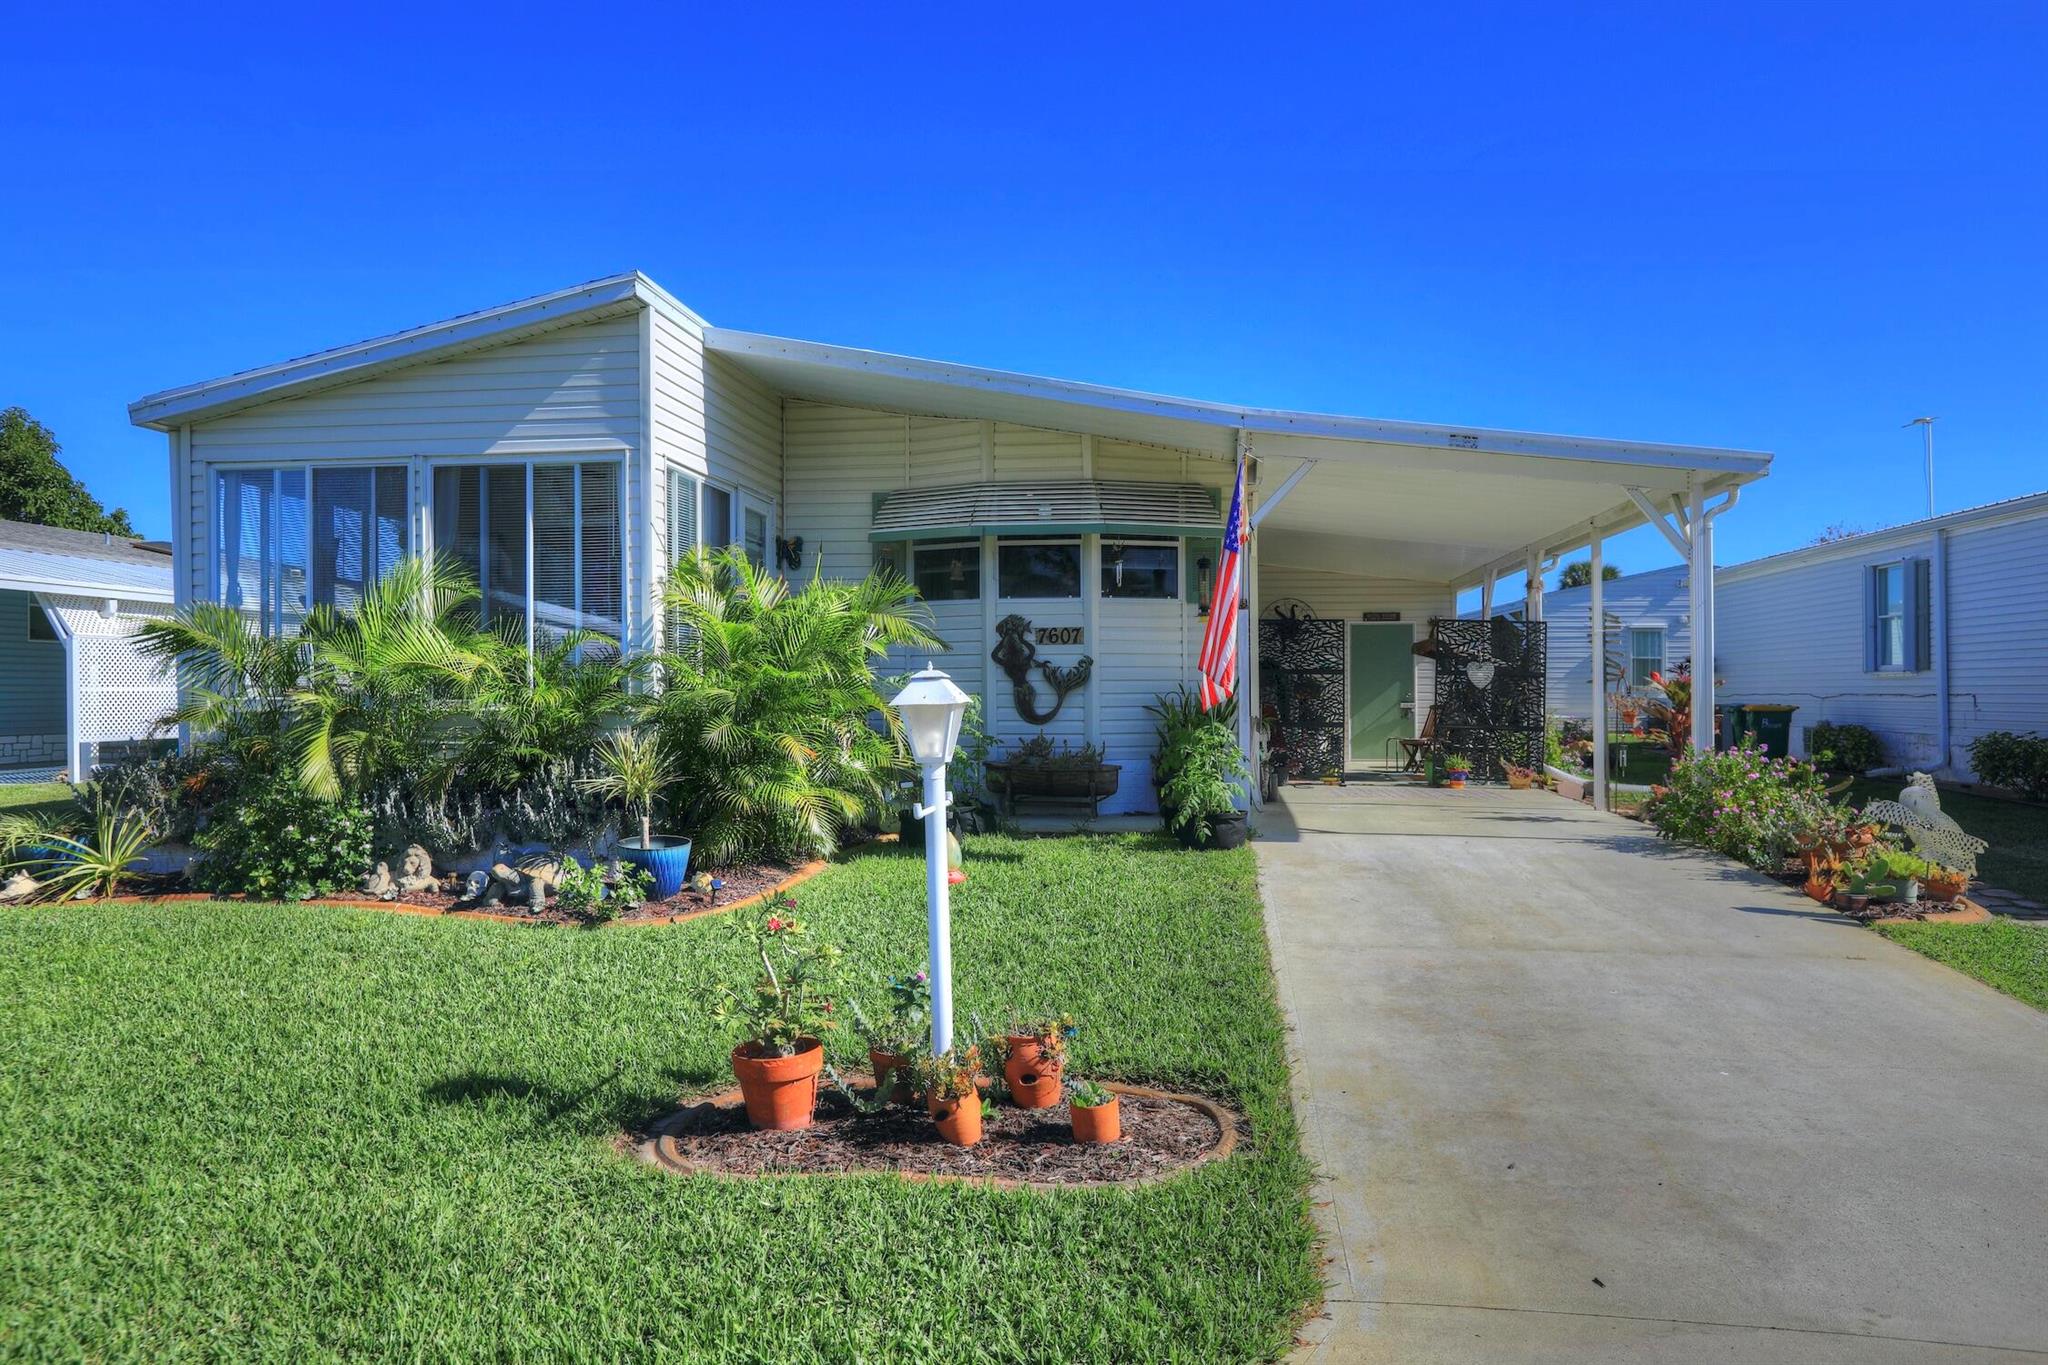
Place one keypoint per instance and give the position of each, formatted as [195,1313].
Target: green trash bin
[1770,722]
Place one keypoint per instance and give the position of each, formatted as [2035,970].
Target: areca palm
[770,702]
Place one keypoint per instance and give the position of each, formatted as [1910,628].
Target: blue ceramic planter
[668,862]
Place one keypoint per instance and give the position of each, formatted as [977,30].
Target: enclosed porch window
[286,540]
[544,542]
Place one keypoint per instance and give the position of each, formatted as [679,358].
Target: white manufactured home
[566,446]
[1931,634]
[1649,630]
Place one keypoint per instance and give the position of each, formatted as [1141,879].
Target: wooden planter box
[1062,784]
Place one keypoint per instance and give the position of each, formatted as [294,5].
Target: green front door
[1382,672]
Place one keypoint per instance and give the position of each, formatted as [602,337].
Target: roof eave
[1743,464]
[171,408]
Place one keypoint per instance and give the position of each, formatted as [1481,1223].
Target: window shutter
[1870,623]
[1920,622]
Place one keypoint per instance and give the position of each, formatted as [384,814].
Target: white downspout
[1596,618]
[1939,591]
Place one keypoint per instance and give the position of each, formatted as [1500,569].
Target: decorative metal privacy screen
[1301,676]
[1489,691]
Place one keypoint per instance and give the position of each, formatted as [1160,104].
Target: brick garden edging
[796,878]
[661,1150]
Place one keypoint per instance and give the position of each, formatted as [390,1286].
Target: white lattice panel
[121,694]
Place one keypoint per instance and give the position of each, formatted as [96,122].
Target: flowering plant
[1742,803]
[790,1000]
[908,1023]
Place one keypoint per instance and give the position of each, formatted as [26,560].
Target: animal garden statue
[416,873]
[379,884]
[1934,835]
[19,887]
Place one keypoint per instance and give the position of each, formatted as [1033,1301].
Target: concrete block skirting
[26,749]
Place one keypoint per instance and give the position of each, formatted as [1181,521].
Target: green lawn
[2004,953]
[283,1132]
[27,798]
[2018,831]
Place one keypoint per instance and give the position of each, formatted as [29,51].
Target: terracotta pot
[898,1066]
[1033,1083]
[1099,1123]
[780,1092]
[1862,836]
[959,1120]
[1945,886]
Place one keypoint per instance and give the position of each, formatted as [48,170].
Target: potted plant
[1037,769]
[782,1012]
[895,1041]
[1034,1055]
[1206,777]
[1520,779]
[1904,869]
[952,1094]
[1944,884]
[1628,707]
[1094,1113]
[636,768]
[1457,769]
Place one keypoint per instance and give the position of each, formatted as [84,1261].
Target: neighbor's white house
[566,447]
[1930,633]
[1649,630]
[74,688]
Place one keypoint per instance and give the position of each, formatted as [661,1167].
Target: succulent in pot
[1944,884]
[1094,1112]
[1034,1057]
[781,1013]
[952,1092]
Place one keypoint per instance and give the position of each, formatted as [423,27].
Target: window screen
[947,573]
[717,527]
[1039,569]
[359,530]
[1139,569]
[260,553]
[480,518]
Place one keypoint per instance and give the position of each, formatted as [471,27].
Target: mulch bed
[741,883]
[1163,1133]
[1961,910]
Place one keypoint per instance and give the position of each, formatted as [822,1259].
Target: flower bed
[1163,1134]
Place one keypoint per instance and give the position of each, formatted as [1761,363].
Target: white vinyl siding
[1655,599]
[572,393]
[1799,632]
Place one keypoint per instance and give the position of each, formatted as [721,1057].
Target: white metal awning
[1048,507]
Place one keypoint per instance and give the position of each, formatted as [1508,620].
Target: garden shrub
[272,838]
[1742,803]
[1844,748]
[2019,762]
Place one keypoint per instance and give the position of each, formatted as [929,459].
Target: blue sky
[1788,228]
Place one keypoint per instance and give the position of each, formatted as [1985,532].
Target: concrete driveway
[1581,1096]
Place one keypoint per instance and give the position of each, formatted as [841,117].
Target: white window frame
[1080,561]
[214,468]
[1663,657]
[608,455]
[1877,617]
[746,500]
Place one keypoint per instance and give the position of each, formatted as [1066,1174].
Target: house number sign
[1058,635]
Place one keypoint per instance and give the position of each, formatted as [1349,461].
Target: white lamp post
[931,708]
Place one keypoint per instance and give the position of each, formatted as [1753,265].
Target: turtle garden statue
[1934,836]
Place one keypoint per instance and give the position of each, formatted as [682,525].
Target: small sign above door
[1380,616]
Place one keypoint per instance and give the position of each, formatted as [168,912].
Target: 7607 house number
[1057,635]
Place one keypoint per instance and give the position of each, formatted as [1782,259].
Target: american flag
[1219,642]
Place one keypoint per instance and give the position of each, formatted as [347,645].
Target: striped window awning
[1051,507]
